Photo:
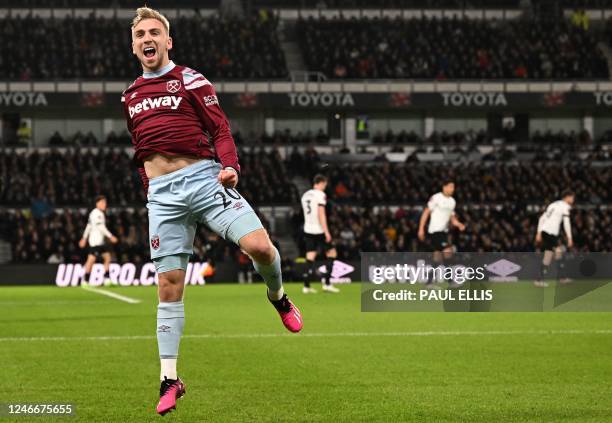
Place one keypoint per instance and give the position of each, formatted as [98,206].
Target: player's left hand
[228,177]
[570,243]
[461,227]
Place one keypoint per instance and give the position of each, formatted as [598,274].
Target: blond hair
[143,13]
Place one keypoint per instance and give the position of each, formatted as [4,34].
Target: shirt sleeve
[101,225]
[432,203]
[322,200]
[567,224]
[214,120]
[87,231]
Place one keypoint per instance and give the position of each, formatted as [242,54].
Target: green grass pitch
[240,364]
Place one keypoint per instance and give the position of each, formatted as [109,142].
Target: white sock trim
[276,295]
[168,368]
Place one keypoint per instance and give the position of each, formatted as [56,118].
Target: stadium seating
[509,228]
[252,52]
[522,183]
[54,238]
[74,177]
[451,49]
[499,201]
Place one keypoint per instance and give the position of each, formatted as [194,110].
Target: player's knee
[262,252]
[258,246]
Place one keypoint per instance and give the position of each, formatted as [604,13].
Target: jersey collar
[160,72]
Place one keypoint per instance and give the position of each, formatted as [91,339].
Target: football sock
[86,277]
[106,275]
[170,323]
[543,271]
[310,266]
[561,268]
[329,266]
[168,369]
[272,275]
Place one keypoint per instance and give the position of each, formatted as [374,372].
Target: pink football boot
[169,391]
[289,313]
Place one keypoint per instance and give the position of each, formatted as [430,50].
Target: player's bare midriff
[158,164]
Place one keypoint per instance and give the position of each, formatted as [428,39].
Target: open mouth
[149,52]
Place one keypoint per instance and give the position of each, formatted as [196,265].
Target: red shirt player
[178,129]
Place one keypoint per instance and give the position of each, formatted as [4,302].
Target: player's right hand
[82,243]
[228,177]
[538,238]
[421,235]
[114,239]
[328,237]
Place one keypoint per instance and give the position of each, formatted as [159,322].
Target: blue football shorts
[180,200]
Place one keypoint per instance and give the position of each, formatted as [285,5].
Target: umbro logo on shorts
[164,328]
[155,242]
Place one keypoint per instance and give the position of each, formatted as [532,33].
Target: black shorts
[549,242]
[316,243]
[98,250]
[438,241]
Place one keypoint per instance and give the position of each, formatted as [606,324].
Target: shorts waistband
[185,171]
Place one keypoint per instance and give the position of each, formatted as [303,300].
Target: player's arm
[541,222]
[323,221]
[423,221]
[567,227]
[83,240]
[216,124]
[101,226]
[455,222]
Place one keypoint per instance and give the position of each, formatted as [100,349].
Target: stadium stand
[498,200]
[75,176]
[451,49]
[254,54]
[504,228]
[53,238]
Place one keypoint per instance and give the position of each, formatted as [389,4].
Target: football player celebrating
[172,111]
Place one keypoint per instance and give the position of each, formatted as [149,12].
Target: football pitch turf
[69,345]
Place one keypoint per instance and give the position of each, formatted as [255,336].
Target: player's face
[151,43]
[101,205]
[570,200]
[448,189]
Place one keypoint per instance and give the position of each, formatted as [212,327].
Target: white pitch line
[312,335]
[111,294]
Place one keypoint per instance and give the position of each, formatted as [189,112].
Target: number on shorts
[231,192]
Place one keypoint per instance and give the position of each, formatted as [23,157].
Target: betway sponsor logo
[603,98]
[474,99]
[20,99]
[127,274]
[153,103]
[321,99]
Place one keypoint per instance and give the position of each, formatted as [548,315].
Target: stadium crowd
[36,48]
[54,238]
[488,229]
[451,48]
[74,177]
[497,182]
